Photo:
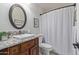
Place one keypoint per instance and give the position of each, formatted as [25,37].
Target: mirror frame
[10,16]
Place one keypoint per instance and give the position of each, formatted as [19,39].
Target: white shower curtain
[57,29]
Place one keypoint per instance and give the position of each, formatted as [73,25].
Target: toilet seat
[45,45]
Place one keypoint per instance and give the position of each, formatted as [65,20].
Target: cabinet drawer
[27,45]
[15,50]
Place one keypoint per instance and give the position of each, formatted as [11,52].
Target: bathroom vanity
[28,46]
[23,44]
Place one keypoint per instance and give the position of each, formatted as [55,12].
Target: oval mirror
[17,16]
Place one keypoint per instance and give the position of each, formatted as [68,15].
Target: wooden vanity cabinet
[30,47]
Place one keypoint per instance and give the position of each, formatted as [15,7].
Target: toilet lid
[45,45]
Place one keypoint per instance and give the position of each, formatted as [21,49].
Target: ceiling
[45,7]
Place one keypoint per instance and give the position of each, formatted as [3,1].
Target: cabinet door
[26,52]
[34,50]
[4,51]
[26,46]
[15,50]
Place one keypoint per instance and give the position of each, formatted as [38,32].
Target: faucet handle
[20,32]
[9,34]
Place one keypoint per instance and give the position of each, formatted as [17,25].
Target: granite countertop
[12,41]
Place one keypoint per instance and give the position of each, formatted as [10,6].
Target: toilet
[45,48]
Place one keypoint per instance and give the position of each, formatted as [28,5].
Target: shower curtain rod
[59,8]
